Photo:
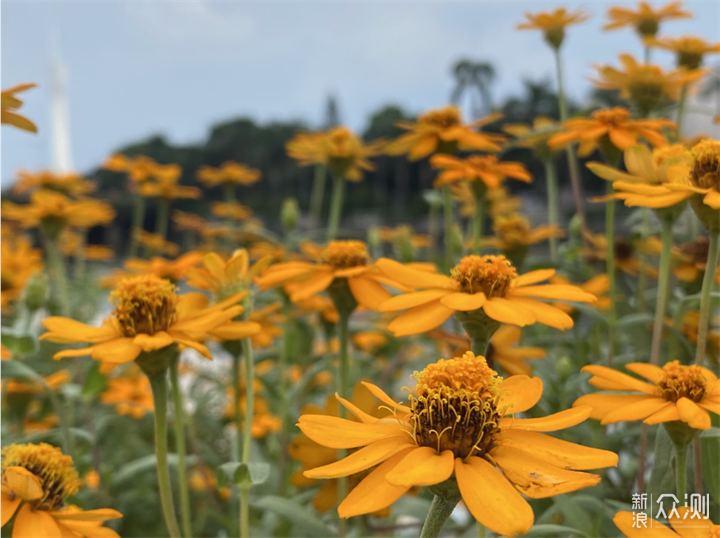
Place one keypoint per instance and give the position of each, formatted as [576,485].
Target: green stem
[163,216]
[478,224]
[681,453]
[447,206]
[345,390]
[317,194]
[180,449]
[80,256]
[681,111]
[552,200]
[642,276]
[137,224]
[237,397]
[647,55]
[229,193]
[56,264]
[336,207]
[663,289]
[677,322]
[610,269]
[282,396]
[440,511]
[432,231]
[247,434]
[705,299]
[158,383]
[570,150]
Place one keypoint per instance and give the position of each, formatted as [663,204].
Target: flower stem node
[479,327]
[681,434]
[342,297]
[157,362]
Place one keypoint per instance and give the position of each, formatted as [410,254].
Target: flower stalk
[247,434]
[163,217]
[448,213]
[56,265]
[705,298]
[662,296]
[552,197]
[336,204]
[610,269]
[158,383]
[137,225]
[440,511]
[180,449]
[317,194]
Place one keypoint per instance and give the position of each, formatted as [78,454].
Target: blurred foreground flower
[36,481]
[646,20]
[461,461]
[10,104]
[553,23]
[689,50]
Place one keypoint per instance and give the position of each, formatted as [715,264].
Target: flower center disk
[492,275]
[455,406]
[680,381]
[144,305]
[345,254]
[706,164]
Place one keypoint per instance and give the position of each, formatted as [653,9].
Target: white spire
[62,161]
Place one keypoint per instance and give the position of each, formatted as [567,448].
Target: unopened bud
[36,291]
[289,214]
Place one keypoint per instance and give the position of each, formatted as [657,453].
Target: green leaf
[662,477]
[302,517]
[19,345]
[144,464]
[572,513]
[19,369]
[544,531]
[710,441]
[246,474]
[635,319]
[94,382]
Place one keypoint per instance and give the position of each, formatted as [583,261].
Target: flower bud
[36,291]
[289,214]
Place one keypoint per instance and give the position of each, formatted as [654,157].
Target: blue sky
[141,68]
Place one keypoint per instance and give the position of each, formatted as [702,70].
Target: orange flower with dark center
[442,131]
[613,126]
[700,173]
[689,50]
[646,20]
[553,23]
[485,169]
[675,393]
[230,173]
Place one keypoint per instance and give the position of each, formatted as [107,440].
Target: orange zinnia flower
[68,184]
[149,316]
[486,169]
[689,50]
[700,174]
[36,482]
[487,283]
[230,173]
[341,260]
[645,20]
[675,392]
[645,84]
[459,424]
[553,23]
[442,131]
[614,125]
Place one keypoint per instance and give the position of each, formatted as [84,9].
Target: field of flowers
[384,382]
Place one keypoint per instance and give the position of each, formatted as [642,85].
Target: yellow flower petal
[411,300]
[34,524]
[625,521]
[604,404]
[694,416]
[387,400]
[120,350]
[337,432]
[8,507]
[491,499]
[374,492]
[364,458]
[315,284]
[68,331]
[420,319]
[533,277]
[464,301]
[562,292]
[23,483]
[519,393]
[545,313]
[367,292]
[668,413]
[153,342]
[535,477]
[550,423]
[422,467]
[506,311]
[412,277]
[648,371]
[355,410]
[560,453]
[635,411]
[630,383]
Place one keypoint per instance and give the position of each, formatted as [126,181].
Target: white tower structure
[61,149]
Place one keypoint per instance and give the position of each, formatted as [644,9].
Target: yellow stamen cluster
[144,304]
[680,381]
[705,159]
[58,477]
[345,254]
[455,406]
[614,116]
[492,275]
[443,118]
[512,229]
